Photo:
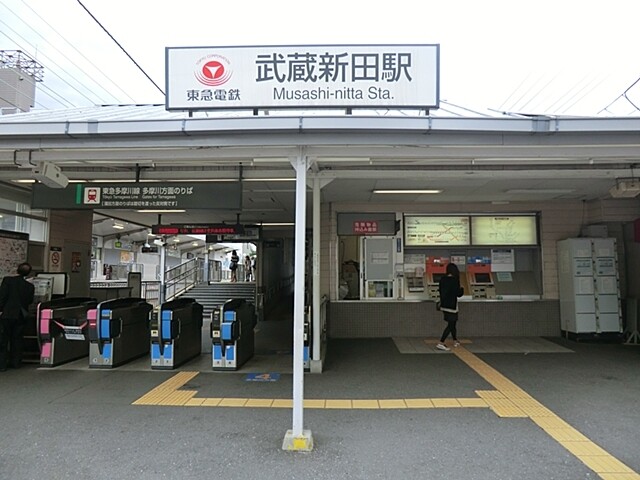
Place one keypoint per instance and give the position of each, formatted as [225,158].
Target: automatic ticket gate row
[61,326]
[176,333]
[232,335]
[118,332]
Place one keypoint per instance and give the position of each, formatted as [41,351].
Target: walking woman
[450,290]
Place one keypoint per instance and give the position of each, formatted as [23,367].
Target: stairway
[215,294]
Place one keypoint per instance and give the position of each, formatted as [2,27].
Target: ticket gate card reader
[176,333]
[118,332]
[62,329]
[232,334]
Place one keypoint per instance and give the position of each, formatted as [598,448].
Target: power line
[103,74]
[623,95]
[50,60]
[122,48]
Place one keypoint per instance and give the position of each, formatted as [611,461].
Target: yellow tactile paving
[259,402]
[490,394]
[620,476]
[178,398]
[507,400]
[508,412]
[233,402]
[338,404]
[282,403]
[473,402]
[309,403]
[550,422]
[387,403]
[446,403]
[604,464]
[566,434]
[536,411]
[211,402]
[159,393]
[418,402]
[584,448]
[593,456]
[365,404]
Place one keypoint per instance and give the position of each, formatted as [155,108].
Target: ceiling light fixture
[539,191]
[117,226]
[413,192]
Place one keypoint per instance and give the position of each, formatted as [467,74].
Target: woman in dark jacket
[450,290]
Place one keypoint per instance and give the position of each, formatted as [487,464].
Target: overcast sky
[545,57]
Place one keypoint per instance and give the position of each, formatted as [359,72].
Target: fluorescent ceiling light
[414,192]
[160,211]
[278,224]
[541,191]
[25,181]
[280,179]
[117,226]
[195,244]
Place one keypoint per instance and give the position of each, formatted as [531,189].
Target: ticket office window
[367,268]
[523,282]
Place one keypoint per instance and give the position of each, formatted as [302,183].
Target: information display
[504,230]
[420,231]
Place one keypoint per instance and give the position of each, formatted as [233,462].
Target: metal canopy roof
[479,160]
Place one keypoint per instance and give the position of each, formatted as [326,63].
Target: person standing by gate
[234,266]
[16,294]
[450,290]
[247,268]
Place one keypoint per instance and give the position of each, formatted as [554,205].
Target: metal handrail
[181,278]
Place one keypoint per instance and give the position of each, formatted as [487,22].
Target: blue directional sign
[262,377]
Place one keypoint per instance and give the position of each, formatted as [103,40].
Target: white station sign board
[307,76]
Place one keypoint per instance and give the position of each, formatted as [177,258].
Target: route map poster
[504,230]
[421,231]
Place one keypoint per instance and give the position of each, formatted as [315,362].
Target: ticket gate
[232,334]
[118,332]
[62,329]
[176,333]
[307,340]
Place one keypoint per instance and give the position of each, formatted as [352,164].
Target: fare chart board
[428,231]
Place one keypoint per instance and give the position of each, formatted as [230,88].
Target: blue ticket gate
[232,334]
[176,333]
[62,328]
[118,332]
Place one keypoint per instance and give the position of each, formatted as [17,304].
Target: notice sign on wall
[152,195]
[336,76]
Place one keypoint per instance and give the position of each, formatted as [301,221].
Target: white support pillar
[297,438]
[315,357]
[317,185]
